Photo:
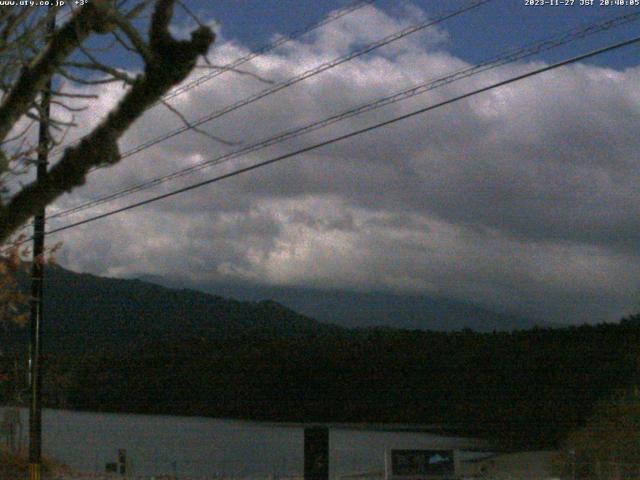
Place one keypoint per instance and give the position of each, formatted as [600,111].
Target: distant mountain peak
[82,309]
[290,307]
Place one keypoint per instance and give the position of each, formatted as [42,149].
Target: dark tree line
[525,388]
[130,346]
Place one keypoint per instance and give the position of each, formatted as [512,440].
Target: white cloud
[525,197]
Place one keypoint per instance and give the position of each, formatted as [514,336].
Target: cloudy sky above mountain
[524,198]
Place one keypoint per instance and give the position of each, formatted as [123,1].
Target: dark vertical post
[316,453]
[122,461]
[37,274]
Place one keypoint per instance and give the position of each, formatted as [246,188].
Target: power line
[349,135]
[314,71]
[305,75]
[331,17]
[492,63]
[269,47]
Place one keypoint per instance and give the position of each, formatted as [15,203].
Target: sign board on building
[420,464]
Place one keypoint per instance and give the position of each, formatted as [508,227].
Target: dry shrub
[15,466]
[607,447]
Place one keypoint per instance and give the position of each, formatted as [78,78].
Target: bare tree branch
[134,37]
[35,75]
[194,128]
[69,108]
[74,95]
[82,81]
[123,43]
[20,134]
[167,62]
[95,65]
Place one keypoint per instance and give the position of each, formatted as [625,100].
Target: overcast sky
[524,198]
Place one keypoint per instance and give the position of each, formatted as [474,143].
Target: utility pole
[37,275]
[316,453]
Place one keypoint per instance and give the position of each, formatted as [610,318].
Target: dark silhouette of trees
[31,57]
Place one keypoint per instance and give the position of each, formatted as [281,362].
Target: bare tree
[30,57]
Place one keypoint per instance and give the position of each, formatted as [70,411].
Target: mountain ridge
[352,309]
[83,309]
[128,346]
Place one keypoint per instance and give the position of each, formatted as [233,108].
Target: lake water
[196,446]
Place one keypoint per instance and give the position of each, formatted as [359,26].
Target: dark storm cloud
[524,197]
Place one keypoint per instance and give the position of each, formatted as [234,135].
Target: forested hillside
[526,387]
[136,347]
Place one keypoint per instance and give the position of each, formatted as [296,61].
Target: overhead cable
[305,75]
[234,64]
[267,48]
[505,58]
[348,135]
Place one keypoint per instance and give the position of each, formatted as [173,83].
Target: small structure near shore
[421,464]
